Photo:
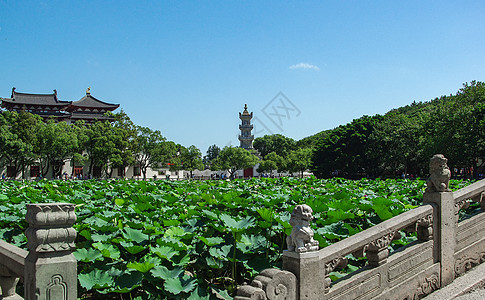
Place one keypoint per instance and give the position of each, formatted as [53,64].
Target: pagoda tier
[246,138]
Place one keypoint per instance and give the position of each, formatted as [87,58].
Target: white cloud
[304,66]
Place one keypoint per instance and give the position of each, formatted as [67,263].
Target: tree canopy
[233,159]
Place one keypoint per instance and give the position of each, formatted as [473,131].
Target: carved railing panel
[372,243]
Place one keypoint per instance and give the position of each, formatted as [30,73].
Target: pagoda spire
[246,138]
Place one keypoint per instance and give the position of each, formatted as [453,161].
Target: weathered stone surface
[50,227]
[8,285]
[309,270]
[301,237]
[270,284]
[445,239]
[440,174]
[470,231]
[50,271]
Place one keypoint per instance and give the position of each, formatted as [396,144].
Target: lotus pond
[199,239]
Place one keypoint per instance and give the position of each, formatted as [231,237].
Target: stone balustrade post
[444,233]
[438,193]
[50,267]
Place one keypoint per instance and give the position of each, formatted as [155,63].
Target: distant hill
[403,139]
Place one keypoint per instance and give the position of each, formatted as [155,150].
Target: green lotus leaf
[174,231]
[87,255]
[131,248]
[199,294]
[119,202]
[108,250]
[211,241]
[164,273]
[141,266]
[165,252]
[101,237]
[236,225]
[383,212]
[221,252]
[134,235]
[267,214]
[95,279]
[178,285]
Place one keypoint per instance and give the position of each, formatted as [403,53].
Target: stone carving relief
[429,285]
[440,174]
[465,263]
[57,288]
[270,284]
[377,252]
[425,228]
[340,263]
[301,237]
[50,227]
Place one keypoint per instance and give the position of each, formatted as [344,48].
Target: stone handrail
[381,234]
[445,249]
[474,192]
[12,258]
[48,269]
[372,243]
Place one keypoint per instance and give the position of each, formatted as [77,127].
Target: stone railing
[48,269]
[444,249]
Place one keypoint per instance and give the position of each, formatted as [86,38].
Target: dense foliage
[26,140]
[195,239]
[403,140]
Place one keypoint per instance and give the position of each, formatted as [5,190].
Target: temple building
[47,106]
[246,138]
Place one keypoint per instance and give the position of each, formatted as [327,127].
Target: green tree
[150,149]
[272,161]
[233,159]
[300,160]
[396,144]
[192,159]
[17,138]
[124,138]
[55,144]
[277,143]
[344,149]
[212,153]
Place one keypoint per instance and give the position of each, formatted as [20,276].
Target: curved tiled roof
[89,101]
[35,99]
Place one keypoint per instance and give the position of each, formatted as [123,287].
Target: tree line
[403,140]
[25,139]
[399,142]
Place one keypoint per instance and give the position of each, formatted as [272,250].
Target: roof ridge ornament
[88,91]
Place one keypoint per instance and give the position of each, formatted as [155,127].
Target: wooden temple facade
[88,108]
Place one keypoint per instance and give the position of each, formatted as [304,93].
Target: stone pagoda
[246,138]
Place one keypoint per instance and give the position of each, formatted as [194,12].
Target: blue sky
[187,68]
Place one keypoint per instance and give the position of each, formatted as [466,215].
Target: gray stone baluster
[425,228]
[377,252]
[8,284]
[50,267]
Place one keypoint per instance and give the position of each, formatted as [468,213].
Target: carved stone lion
[301,237]
[440,174]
